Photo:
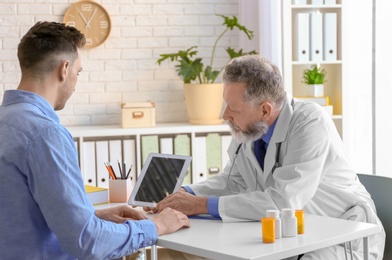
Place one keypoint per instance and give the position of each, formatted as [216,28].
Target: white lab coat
[313,173]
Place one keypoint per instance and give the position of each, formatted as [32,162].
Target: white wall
[383,89]
[368,87]
[357,83]
[264,17]
[124,69]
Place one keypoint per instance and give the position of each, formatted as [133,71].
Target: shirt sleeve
[57,186]
[188,189]
[212,203]
[213,206]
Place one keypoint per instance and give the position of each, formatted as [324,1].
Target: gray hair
[262,78]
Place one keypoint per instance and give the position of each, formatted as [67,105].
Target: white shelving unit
[293,69]
[97,144]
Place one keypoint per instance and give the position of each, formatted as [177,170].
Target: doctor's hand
[186,203]
[169,221]
[155,210]
[119,214]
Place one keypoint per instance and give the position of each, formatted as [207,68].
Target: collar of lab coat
[279,135]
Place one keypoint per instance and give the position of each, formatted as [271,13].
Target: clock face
[91,19]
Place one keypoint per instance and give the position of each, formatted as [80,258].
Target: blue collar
[267,137]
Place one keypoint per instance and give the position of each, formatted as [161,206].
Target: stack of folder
[97,195]
[322,101]
[316,37]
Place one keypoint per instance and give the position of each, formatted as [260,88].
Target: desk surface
[242,240]
[217,240]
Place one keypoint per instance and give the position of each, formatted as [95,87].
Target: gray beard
[253,133]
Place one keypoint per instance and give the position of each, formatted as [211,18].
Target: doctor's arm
[185,202]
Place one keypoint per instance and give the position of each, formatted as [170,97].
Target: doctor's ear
[266,110]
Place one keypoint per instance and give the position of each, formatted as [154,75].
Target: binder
[225,140]
[149,145]
[298,2]
[214,153]
[316,37]
[102,155]
[317,2]
[301,38]
[89,171]
[182,146]
[130,159]
[330,36]
[200,173]
[166,145]
[115,154]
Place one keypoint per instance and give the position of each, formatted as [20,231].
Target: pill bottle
[300,215]
[268,230]
[273,213]
[289,223]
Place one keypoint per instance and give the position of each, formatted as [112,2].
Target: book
[329,109]
[322,101]
[97,195]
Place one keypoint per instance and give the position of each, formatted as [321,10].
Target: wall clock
[91,19]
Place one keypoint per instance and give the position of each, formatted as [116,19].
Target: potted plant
[314,77]
[204,98]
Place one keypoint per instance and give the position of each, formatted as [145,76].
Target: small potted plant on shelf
[315,78]
[204,97]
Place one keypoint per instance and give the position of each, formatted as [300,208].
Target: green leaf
[314,75]
[193,70]
[233,54]
[210,74]
[232,23]
[185,55]
[189,70]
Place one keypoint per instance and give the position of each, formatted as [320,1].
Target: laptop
[161,175]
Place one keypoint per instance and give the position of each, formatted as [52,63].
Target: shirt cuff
[189,190]
[213,206]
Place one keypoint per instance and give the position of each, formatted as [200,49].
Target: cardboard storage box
[138,114]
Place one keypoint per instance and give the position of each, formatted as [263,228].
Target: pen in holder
[119,190]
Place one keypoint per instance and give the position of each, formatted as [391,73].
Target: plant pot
[316,90]
[204,103]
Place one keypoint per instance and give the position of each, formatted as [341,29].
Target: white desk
[217,240]
[239,241]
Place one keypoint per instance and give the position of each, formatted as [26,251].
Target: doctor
[304,166]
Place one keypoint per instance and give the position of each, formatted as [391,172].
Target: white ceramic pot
[316,90]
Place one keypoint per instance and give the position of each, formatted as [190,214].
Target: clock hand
[91,17]
[84,19]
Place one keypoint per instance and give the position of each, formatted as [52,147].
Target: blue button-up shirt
[44,211]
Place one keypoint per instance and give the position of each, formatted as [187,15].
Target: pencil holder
[119,190]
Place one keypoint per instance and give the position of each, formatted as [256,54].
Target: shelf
[163,128]
[207,144]
[316,62]
[311,7]
[293,68]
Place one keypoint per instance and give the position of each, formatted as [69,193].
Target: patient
[45,213]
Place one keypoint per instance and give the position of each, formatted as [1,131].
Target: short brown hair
[41,46]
